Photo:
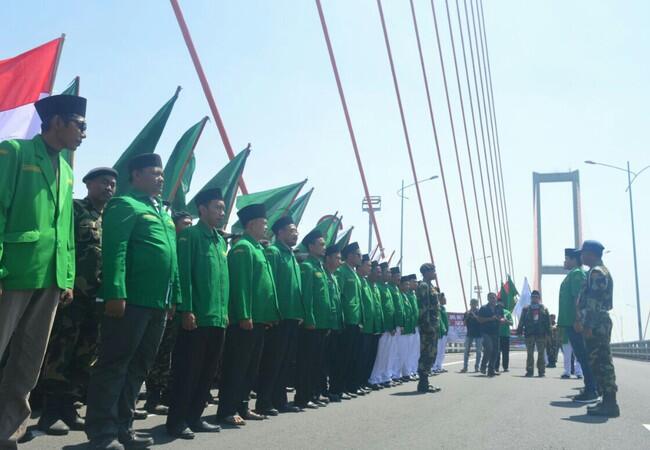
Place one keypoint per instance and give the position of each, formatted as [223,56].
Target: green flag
[508,293]
[298,208]
[144,142]
[227,180]
[327,225]
[72,89]
[180,167]
[345,239]
[277,202]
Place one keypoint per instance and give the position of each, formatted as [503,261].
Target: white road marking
[647,427]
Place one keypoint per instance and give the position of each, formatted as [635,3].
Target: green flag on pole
[72,89]
[328,226]
[277,202]
[298,208]
[508,293]
[180,167]
[345,239]
[144,142]
[227,180]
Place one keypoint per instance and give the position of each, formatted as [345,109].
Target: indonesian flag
[24,79]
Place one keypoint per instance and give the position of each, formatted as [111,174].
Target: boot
[423,383]
[69,414]
[51,421]
[608,407]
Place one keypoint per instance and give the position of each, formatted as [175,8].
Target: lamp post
[400,192]
[630,180]
[471,276]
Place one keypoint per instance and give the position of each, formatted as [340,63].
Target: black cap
[251,212]
[427,267]
[281,223]
[593,246]
[311,237]
[374,264]
[332,249]
[365,257]
[413,277]
[354,246]
[145,160]
[60,105]
[535,294]
[383,265]
[98,172]
[404,279]
[206,196]
[395,270]
[180,215]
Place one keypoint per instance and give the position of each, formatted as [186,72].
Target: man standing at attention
[37,256]
[535,324]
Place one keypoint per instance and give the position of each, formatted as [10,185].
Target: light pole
[401,232]
[471,276]
[375,201]
[630,180]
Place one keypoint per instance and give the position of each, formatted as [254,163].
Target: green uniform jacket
[139,253]
[569,291]
[36,220]
[504,328]
[350,285]
[444,321]
[286,273]
[203,273]
[368,307]
[316,294]
[379,326]
[415,313]
[409,328]
[398,315]
[387,307]
[252,289]
[336,313]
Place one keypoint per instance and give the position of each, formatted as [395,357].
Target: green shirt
[318,310]
[504,328]
[569,291]
[444,321]
[336,313]
[409,327]
[203,273]
[252,289]
[415,312]
[139,260]
[368,307]
[378,322]
[398,315]
[387,307]
[286,274]
[350,285]
[37,248]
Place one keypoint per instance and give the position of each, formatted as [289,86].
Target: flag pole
[77,82]
[391,257]
[59,50]
[206,87]
[172,194]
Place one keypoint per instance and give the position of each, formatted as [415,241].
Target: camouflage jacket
[596,297]
[428,318]
[88,240]
[535,321]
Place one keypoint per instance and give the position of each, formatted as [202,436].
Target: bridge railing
[633,350]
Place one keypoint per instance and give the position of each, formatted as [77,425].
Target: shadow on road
[566,404]
[408,394]
[595,420]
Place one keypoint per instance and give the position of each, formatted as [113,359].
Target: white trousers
[567,351]
[381,368]
[414,353]
[440,358]
[395,366]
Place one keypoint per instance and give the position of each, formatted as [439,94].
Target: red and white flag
[24,79]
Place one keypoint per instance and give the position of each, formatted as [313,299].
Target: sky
[570,84]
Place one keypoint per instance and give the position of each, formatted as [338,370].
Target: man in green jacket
[351,302]
[73,343]
[253,307]
[203,273]
[37,257]
[381,371]
[443,335]
[280,342]
[140,287]
[367,323]
[318,310]
[414,338]
[378,323]
[398,319]
[331,375]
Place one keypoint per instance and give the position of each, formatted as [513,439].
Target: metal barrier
[633,350]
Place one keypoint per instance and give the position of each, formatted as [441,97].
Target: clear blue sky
[570,82]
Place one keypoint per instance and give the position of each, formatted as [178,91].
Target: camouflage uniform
[73,343]
[159,376]
[428,323]
[594,304]
[535,323]
[553,346]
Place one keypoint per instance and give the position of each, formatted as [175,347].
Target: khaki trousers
[26,318]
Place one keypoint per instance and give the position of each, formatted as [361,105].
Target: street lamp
[471,277]
[400,192]
[630,180]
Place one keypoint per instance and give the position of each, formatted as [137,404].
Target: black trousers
[490,351]
[370,360]
[194,364]
[345,376]
[279,342]
[362,362]
[241,361]
[310,355]
[127,350]
[329,360]
[503,355]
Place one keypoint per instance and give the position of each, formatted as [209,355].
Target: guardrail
[633,350]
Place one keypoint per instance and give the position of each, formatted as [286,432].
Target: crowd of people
[102,294]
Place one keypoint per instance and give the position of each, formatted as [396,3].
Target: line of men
[252,309]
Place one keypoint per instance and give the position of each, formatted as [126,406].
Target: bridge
[472,411]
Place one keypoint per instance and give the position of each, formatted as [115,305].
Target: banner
[457,329]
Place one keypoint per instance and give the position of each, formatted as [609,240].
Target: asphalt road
[472,411]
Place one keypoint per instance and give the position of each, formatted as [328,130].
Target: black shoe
[483,371]
[28,436]
[375,387]
[202,426]
[139,414]
[131,440]
[51,424]
[105,443]
[506,370]
[352,394]
[319,403]
[360,392]
[565,376]
[387,384]
[289,409]
[323,399]
[346,396]
[335,398]
[268,412]
[491,374]
[156,408]
[180,432]
[463,370]
[541,375]
[309,405]
[529,374]
[586,397]
[607,408]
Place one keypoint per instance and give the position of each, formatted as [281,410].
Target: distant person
[553,343]
[444,334]
[535,324]
[490,319]
[473,336]
[503,354]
